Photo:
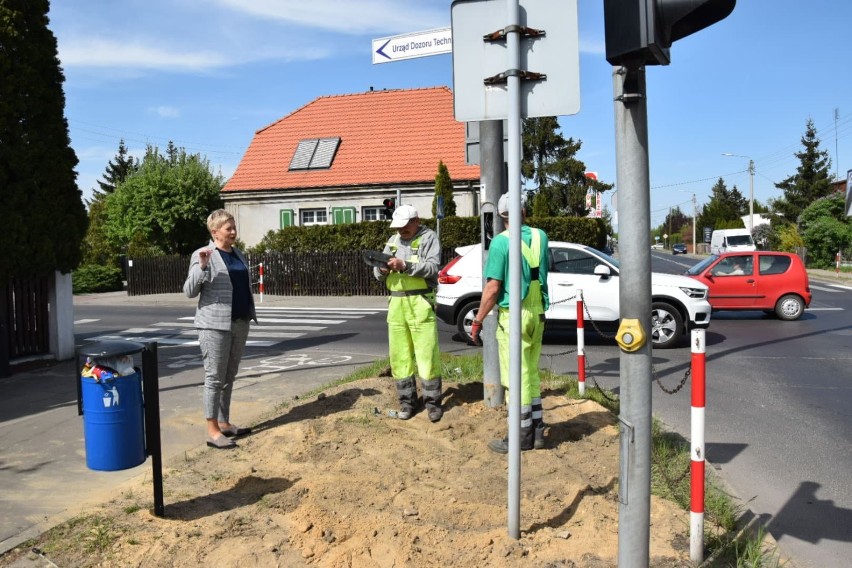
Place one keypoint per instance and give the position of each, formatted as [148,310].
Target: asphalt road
[777,397]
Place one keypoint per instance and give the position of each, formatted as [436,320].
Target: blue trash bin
[113,422]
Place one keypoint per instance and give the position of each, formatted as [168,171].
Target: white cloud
[165,111]
[350,16]
[102,52]
[108,53]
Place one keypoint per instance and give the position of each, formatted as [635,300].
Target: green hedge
[91,278]
[455,232]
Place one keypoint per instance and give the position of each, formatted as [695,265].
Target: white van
[731,240]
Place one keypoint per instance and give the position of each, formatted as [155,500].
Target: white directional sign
[415,44]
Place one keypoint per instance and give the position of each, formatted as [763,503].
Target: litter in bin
[108,368]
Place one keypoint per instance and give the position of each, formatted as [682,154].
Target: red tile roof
[387,137]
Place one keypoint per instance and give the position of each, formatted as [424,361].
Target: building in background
[336,159]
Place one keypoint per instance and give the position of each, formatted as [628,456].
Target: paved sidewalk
[42,464]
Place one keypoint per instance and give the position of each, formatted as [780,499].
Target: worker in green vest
[534,302]
[411,276]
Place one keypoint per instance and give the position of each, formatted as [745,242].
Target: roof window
[314,154]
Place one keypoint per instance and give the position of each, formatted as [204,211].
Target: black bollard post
[151,393]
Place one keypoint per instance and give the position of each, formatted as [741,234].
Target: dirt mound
[337,482]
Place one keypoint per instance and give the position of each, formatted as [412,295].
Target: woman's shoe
[236,431]
[221,443]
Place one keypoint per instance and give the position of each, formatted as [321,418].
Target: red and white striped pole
[696,501]
[581,347]
[261,281]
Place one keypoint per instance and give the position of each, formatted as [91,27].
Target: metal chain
[591,321]
[677,388]
[672,482]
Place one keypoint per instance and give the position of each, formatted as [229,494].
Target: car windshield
[699,268]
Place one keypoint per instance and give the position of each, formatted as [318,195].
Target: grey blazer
[213,288]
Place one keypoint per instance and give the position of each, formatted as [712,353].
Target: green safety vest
[399,281]
[531,296]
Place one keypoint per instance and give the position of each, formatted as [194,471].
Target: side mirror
[603,271]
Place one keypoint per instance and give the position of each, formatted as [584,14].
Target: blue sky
[207,75]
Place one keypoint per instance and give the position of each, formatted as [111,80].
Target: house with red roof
[336,159]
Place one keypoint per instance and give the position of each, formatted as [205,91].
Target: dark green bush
[455,232]
[92,278]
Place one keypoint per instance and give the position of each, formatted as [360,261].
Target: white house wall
[257,213]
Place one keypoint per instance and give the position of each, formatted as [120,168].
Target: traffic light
[390,205]
[640,32]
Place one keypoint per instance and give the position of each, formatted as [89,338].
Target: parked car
[657,246]
[679,248]
[678,303]
[775,282]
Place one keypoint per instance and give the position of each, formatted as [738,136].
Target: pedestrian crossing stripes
[275,324]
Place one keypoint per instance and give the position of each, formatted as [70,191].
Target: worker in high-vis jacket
[534,302]
[411,276]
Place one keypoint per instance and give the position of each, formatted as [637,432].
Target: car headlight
[699,293]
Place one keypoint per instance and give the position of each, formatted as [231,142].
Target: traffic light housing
[390,205]
[640,32]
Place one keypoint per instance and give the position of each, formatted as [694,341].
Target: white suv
[679,302]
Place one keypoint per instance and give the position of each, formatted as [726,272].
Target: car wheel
[789,307]
[466,317]
[666,325]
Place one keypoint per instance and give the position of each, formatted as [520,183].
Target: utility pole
[750,195]
[493,183]
[694,221]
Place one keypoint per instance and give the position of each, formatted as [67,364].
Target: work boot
[538,437]
[432,399]
[502,446]
[406,391]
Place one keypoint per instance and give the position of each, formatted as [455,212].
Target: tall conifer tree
[46,215]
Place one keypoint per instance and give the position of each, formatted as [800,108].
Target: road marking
[83,321]
[823,289]
[182,331]
[825,309]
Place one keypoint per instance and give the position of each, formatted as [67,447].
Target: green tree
[549,166]
[98,248]
[444,188]
[117,170]
[46,216]
[163,206]
[811,181]
[825,229]
[725,208]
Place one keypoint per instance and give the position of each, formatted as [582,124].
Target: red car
[759,280]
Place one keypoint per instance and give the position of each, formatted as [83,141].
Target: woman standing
[219,276]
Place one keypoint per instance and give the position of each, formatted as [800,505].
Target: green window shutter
[342,215]
[286,216]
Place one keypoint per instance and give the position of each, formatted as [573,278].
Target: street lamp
[751,188]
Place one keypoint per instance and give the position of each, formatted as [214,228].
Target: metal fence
[284,274]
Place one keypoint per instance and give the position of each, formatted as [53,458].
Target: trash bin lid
[112,348]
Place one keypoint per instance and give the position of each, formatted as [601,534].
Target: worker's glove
[475,330]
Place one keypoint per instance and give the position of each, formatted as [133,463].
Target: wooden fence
[284,274]
[24,324]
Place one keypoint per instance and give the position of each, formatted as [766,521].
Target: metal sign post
[495,76]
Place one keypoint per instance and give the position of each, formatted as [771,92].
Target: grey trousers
[221,352]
